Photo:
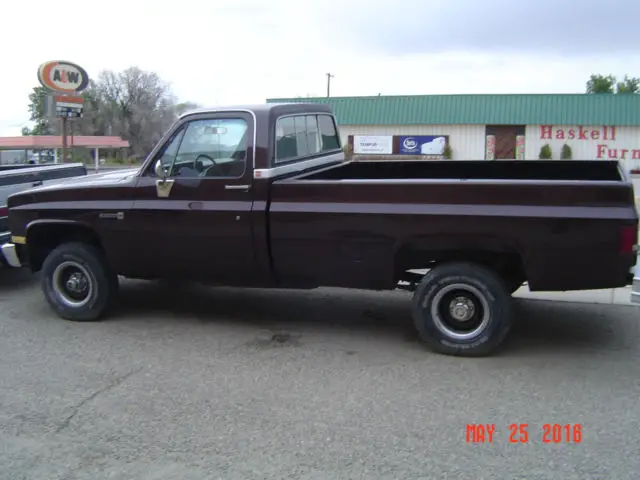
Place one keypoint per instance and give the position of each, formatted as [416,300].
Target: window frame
[332,118]
[181,130]
[322,153]
[178,132]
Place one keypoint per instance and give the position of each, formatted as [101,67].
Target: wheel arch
[43,235]
[503,255]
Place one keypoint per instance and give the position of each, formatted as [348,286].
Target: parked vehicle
[262,197]
[17,178]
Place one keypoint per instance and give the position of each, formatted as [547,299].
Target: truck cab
[202,191]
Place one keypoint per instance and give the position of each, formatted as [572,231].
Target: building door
[505,135]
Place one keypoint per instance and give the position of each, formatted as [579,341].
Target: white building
[491,127]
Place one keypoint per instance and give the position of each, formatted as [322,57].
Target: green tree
[42,126]
[185,107]
[628,85]
[609,84]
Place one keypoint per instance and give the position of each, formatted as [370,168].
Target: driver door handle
[244,188]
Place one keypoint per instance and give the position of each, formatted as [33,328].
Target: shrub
[566,153]
[447,153]
[545,152]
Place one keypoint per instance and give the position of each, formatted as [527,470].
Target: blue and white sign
[423,145]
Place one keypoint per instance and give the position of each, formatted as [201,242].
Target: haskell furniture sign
[605,138]
[373,144]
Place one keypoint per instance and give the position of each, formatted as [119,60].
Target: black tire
[475,285]
[88,262]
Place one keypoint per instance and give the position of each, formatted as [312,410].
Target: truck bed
[585,170]
[375,220]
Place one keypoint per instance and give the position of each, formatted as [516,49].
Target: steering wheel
[198,164]
[201,169]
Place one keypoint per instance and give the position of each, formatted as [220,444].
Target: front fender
[44,235]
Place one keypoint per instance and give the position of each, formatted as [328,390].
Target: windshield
[222,140]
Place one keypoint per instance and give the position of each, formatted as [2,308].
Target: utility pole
[329,77]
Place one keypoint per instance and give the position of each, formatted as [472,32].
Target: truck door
[197,223]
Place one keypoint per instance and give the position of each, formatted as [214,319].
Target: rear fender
[424,252]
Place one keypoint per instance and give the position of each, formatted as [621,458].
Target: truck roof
[267,108]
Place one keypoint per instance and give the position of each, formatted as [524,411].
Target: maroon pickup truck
[262,196]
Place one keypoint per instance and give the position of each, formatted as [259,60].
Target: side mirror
[159,170]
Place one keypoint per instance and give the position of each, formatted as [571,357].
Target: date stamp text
[521,433]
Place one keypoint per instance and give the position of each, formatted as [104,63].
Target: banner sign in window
[520,147]
[490,150]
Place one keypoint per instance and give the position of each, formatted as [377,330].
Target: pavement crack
[75,409]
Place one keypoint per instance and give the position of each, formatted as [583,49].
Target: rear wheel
[462,309]
[77,282]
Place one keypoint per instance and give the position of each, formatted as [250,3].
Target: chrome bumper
[10,255]
[635,285]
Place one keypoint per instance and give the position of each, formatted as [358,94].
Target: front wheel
[462,309]
[77,282]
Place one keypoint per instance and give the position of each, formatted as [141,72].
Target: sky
[224,52]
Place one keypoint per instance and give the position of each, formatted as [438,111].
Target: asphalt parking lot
[231,384]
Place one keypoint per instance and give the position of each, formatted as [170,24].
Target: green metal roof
[528,109]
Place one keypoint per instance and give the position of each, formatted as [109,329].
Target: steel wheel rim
[464,305]
[72,284]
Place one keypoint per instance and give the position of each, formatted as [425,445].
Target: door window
[209,148]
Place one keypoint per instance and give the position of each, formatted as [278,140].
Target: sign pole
[64,139]
[71,153]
